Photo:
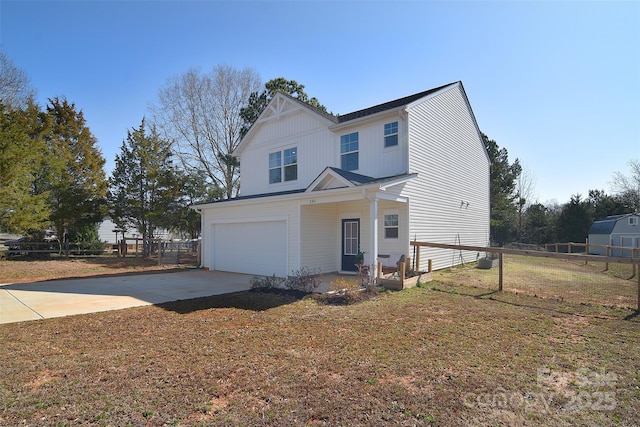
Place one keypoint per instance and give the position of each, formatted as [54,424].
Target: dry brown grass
[554,278]
[32,270]
[447,354]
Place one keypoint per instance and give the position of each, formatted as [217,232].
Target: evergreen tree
[503,176]
[73,174]
[539,224]
[604,205]
[144,189]
[21,157]
[258,101]
[575,220]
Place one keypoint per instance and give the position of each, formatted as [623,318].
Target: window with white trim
[290,165]
[633,220]
[391,228]
[391,134]
[349,151]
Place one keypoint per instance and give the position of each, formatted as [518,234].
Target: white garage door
[251,247]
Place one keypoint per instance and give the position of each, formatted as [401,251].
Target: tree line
[516,216]
[52,171]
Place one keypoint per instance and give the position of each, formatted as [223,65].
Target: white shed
[615,231]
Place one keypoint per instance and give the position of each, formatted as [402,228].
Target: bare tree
[200,113]
[628,186]
[15,89]
[525,196]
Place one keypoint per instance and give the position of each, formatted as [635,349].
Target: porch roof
[346,179]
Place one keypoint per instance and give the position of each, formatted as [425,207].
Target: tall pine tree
[144,190]
[21,157]
[74,172]
[503,197]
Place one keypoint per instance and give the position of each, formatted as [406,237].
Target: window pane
[349,143]
[290,156]
[291,172]
[350,161]
[391,233]
[275,175]
[391,128]
[391,220]
[390,141]
[274,160]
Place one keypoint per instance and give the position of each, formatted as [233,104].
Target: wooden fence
[165,251]
[572,247]
[499,253]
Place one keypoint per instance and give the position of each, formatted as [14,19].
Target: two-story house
[316,189]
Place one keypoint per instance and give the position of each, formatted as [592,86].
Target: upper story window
[633,220]
[391,134]
[275,167]
[349,151]
[290,165]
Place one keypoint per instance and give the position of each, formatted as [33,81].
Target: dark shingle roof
[388,105]
[606,225]
[353,177]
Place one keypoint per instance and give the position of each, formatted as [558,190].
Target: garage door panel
[251,247]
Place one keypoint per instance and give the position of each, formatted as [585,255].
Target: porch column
[373,248]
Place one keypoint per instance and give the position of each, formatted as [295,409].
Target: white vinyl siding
[448,155]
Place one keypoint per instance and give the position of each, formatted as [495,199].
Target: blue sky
[556,83]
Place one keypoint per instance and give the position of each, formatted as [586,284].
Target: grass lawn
[447,354]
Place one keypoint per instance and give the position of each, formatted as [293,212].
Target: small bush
[303,280]
[266,282]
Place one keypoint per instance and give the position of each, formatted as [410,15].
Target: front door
[350,243]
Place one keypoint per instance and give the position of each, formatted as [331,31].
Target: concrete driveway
[57,298]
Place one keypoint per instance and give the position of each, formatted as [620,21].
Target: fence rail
[582,259]
[165,251]
[572,247]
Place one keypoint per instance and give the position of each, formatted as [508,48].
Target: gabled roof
[332,177]
[338,119]
[606,225]
[397,103]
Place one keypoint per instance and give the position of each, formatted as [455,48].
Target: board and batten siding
[255,211]
[316,149]
[447,153]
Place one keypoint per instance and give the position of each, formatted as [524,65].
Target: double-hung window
[349,151]
[391,134]
[290,165]
[391,226]
[275,167]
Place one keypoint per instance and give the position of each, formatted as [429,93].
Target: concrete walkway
[57,298]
